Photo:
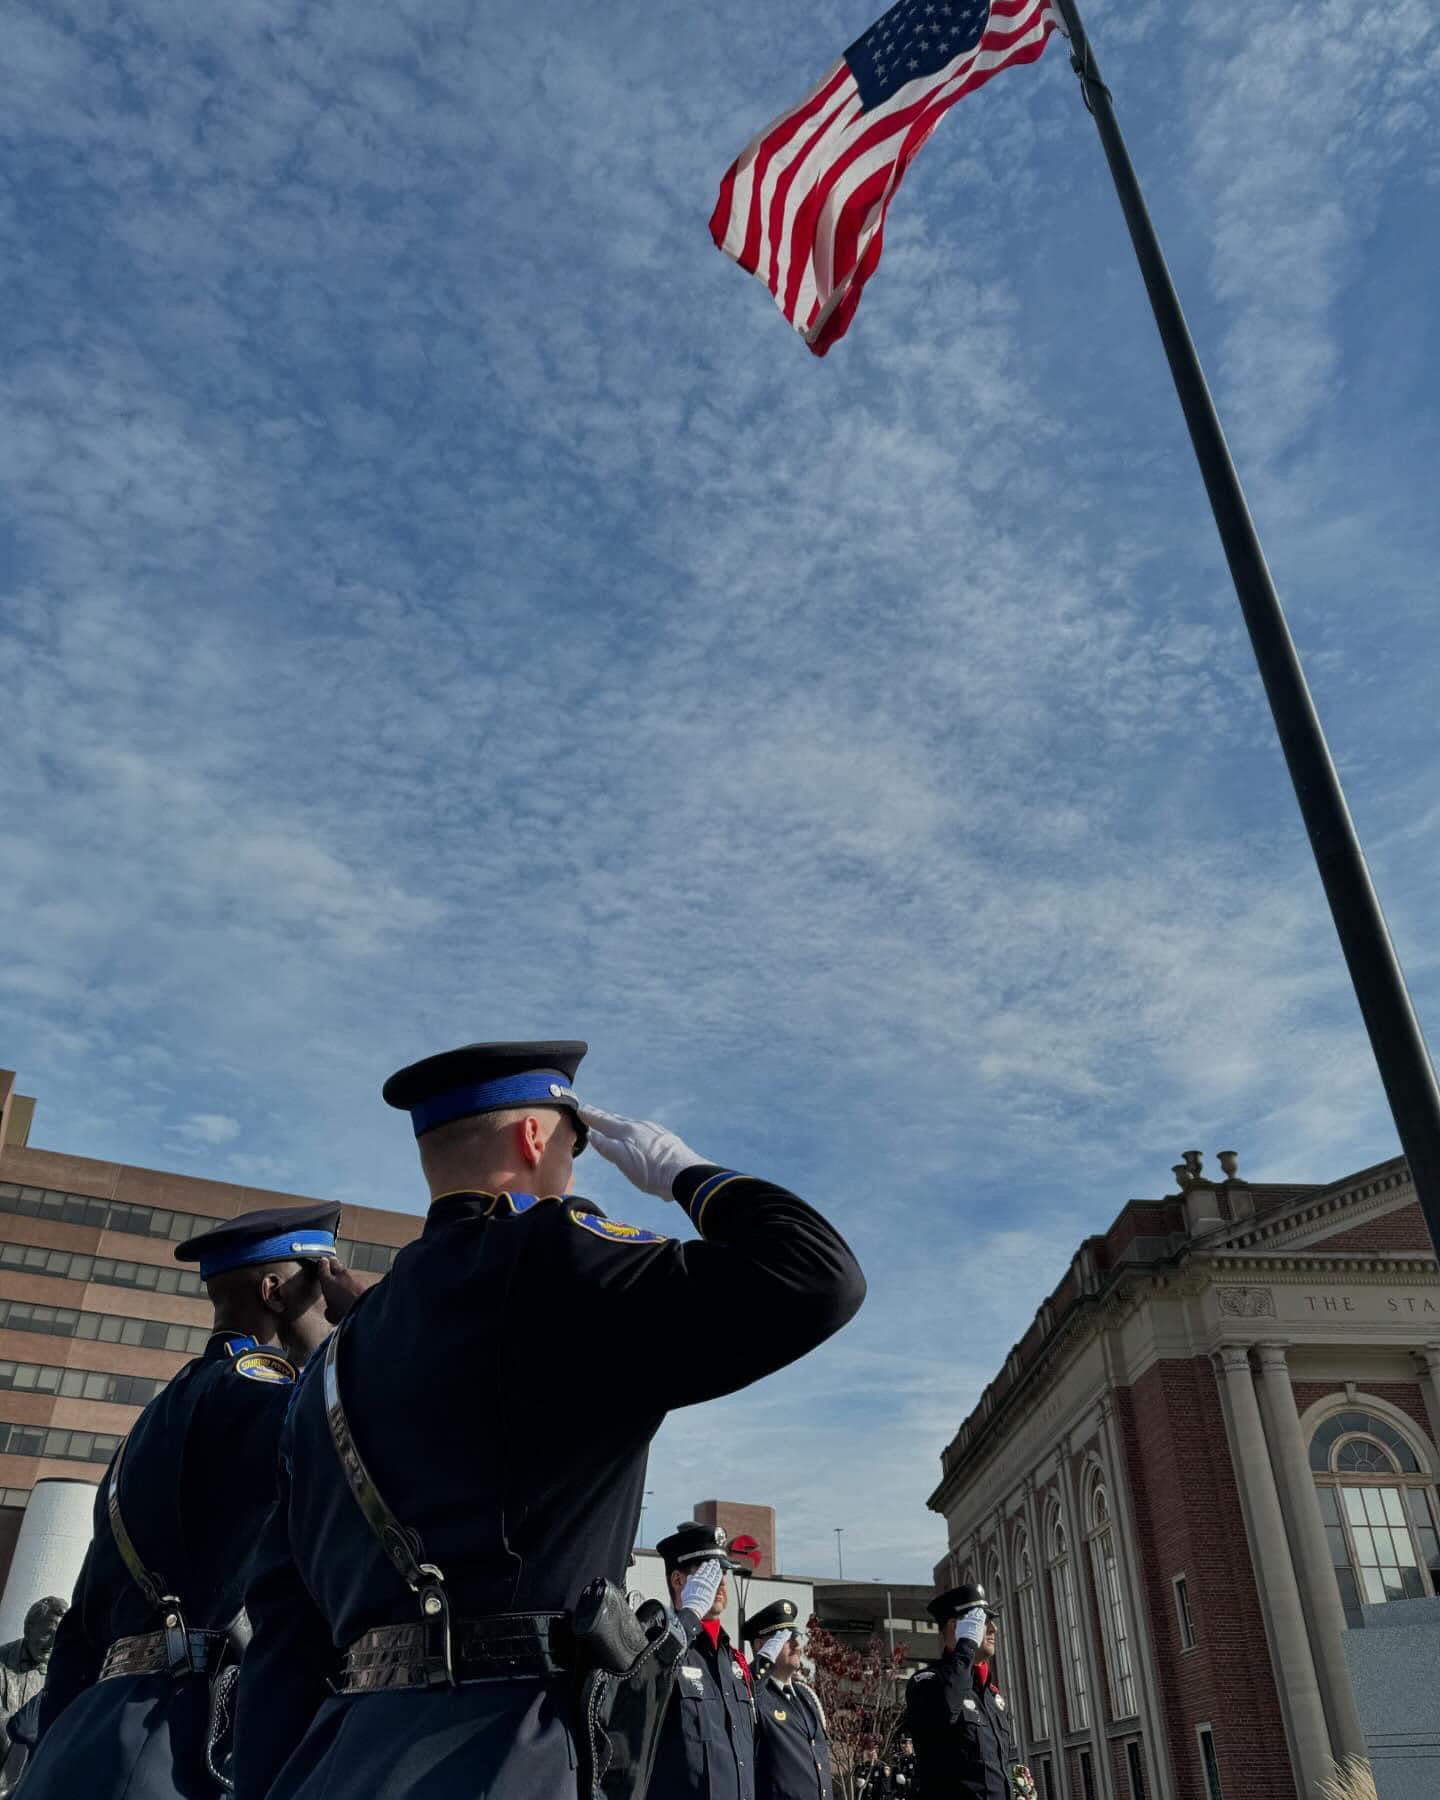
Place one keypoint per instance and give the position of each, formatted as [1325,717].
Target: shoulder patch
[265,1365]
[614,1229]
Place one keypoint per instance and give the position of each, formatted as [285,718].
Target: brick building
[95,1313]
[1215,1442]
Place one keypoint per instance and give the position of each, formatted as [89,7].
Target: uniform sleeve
[283,1673]
[762,1253]
[936,1696]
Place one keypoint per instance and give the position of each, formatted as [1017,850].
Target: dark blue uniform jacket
[793,1750]
[961,1730]
[197,1481]
[503,1384]
[707,1744]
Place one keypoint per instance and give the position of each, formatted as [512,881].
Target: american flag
[803,205]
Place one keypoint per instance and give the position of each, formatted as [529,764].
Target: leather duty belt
[153,1653]
[507,1647]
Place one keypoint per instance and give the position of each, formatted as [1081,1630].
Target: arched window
[1110,1597]
[1032,1642]
[1067,1623]
[1378,1504]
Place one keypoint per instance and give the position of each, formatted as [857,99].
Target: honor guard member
[793,1750]
[156,1619]
[471,1456]
[707,1742]
[954,1710]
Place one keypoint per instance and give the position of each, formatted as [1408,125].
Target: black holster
[220,1732]
[625,1663]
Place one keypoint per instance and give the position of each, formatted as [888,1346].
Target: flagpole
[1404,1061]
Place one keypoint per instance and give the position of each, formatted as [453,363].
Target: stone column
[1290,1654]
[1010,1663]
[1427,1360]
[1055,1697]
[1091,1635]
[1319,1595]
[1156,1737]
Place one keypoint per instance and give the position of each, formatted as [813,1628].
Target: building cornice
[1373,1191]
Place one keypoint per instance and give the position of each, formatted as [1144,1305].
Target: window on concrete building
[1047,1780]
[1067,1624]
[78,1384]
[68,1446]
[1032,1642]
[1378,1504]
[1087,1775]
[1209,1763]
[1135,1767]
[1188,1640]
[1110,1598]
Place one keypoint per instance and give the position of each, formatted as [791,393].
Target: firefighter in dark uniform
[707,1743]
[496,1395]
[156,1618]
[794,1751]
[955,1712]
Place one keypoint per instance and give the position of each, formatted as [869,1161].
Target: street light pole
[839,1559]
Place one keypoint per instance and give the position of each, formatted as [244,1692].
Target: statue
[24,1662]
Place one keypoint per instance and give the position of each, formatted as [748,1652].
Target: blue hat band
[548,1087]
[290,1246]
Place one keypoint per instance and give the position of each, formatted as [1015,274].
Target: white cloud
[209,1129]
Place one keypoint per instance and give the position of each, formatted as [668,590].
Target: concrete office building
[95,1313]
[1215,1446]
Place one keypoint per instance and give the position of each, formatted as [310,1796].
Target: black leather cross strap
[177,1646]
[401,1545]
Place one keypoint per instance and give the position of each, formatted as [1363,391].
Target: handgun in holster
[626,1659]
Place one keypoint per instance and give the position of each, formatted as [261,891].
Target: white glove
[646,1154]
[774,1644]
[970,1626]
[701,1586]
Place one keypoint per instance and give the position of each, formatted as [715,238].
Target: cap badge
[720,1536]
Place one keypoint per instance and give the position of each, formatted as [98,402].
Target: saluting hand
[339,1289]
[701,1586]
[646,1154]
[970,1626]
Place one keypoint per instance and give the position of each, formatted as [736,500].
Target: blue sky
[442,600]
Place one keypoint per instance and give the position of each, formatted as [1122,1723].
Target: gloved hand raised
[702,1584]
[970,1626]
[773,1645]
[646,1154]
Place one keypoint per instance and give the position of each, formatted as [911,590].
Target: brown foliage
[862,1692]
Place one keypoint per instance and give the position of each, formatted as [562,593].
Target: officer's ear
[531,1135]
[270,1291]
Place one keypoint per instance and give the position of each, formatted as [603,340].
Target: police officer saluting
[156,1621]
[794,1751]
[471,1455]
[707,1744]
[955,1712]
